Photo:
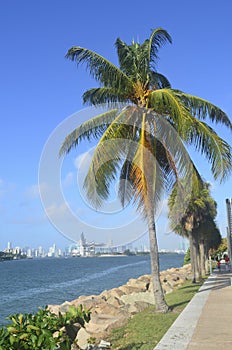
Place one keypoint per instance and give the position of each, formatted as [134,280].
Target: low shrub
[43,330]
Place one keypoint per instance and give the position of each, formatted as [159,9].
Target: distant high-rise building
[82,245]
[29,253]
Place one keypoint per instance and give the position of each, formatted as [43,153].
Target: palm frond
[133,61]
[177,163]
[165,102]
[123,52]
[99,67]
[125,189]
[215,149]
[101,95]
[157,38]
[146,173]
[108,155]
[159,81]
[201,207]
[193,131]
[181,201]
[91,129]
[202,109]
[101,173]
[159,152]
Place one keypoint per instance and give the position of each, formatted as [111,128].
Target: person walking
[227,262]
[219,265]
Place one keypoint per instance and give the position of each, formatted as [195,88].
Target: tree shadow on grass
[174,306]
[190,286]
[133,346]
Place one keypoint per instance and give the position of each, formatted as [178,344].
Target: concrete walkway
[206,322]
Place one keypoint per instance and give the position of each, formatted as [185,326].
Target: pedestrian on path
[227,262]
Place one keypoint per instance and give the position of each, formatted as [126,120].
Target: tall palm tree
[152,158]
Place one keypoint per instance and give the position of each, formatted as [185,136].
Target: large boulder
[115,292]
[147,297]
[90,302]
[139,284]
[129,290]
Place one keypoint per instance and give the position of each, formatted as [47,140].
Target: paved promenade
[206,322]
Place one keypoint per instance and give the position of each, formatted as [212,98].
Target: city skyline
[81,249]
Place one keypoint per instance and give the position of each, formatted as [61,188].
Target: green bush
[187,259]
[43,330]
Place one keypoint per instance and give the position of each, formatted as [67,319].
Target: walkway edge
[180,333]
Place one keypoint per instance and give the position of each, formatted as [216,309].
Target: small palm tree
[209,239]
[195,222]
[152,157]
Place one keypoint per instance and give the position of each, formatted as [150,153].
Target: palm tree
[196,222]
[152,158]
[209,238]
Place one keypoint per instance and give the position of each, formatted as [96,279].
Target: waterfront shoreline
[32,283]
[113,308]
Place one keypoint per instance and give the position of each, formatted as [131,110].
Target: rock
[54,309]
[106,308]
[115,301]
[101,324]
[167,288]
[115,292]
[104,344]
[82,338]
[88,301]
[140,285]
[129,290]
[147,297]
[65,306]
[137,306]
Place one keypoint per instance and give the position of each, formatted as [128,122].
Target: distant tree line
[11,256]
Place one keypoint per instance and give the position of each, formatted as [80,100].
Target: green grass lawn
[146,328]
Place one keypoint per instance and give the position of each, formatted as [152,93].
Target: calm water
[27,284]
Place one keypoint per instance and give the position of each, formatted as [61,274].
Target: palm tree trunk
[149,207]
[160,302]
[206,249]
[192,257]
[196,255]
[202,257]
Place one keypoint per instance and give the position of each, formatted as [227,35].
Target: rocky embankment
[112,308]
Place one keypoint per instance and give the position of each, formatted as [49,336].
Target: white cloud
[69,179]
[6,187]
[83,160]
[32,192]
[31,195]
[58,212]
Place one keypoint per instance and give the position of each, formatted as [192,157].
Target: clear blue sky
[40,88]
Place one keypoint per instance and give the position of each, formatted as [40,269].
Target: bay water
[32,283]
